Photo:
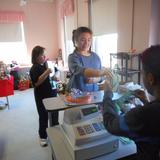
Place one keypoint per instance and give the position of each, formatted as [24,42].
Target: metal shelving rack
[126,68]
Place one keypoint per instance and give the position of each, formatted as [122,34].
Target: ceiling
[44,0]
[24,2]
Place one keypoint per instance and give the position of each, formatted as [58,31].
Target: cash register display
[87,111]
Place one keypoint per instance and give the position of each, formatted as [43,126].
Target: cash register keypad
[90,128]
[81,131]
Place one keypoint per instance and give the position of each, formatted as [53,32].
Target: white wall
[82,12]
[104,17]
[138,24]
[141,26]
[124,15]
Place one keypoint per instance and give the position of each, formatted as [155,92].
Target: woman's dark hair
[36,51]
[151,60]
[77,32]
[73,37]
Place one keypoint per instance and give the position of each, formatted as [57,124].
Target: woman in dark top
[39,74]
[141,124]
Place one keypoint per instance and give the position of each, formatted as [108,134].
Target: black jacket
[45,89]
[141,124]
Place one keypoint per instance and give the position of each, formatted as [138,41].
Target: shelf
[125,60]
[123,71]
[123,55]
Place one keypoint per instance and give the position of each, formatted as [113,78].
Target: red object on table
[23,85]
[85,99]
[7,87]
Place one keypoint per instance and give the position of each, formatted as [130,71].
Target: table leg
[7,102]
[53,157]
[53,118]
[50,119]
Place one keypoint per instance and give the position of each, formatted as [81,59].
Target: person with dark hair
[141,124]
[84,65]
[39,74]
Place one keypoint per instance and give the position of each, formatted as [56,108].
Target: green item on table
[125,140]
[121,101]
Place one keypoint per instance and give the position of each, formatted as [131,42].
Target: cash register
[84,133]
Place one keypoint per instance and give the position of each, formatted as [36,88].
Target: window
[69,26]
[67,13]
[104,45]
[12,42]
[103,16]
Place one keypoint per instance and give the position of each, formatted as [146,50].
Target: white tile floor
[18,129]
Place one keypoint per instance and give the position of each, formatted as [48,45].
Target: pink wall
[60,24]
[40,24]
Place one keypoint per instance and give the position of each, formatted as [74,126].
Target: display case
[128,64]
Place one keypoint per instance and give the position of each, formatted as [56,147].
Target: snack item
[77,96]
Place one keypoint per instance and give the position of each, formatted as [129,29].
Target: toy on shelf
[4,72]
[23,83]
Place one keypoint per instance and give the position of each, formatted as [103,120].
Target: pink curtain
[11,16]
[67,8]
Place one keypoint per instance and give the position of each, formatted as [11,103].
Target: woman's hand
[107,85]
[54,78]
[43,76]
[48,71]
[93,80]
[108,94]
[141,95]
[106,72]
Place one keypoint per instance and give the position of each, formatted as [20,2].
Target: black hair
[73,37]
[151,61]
[36,51]
[77,32]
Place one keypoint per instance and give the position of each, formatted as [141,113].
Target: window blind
[10,32]
[104,16]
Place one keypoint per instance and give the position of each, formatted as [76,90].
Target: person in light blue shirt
[84,65]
